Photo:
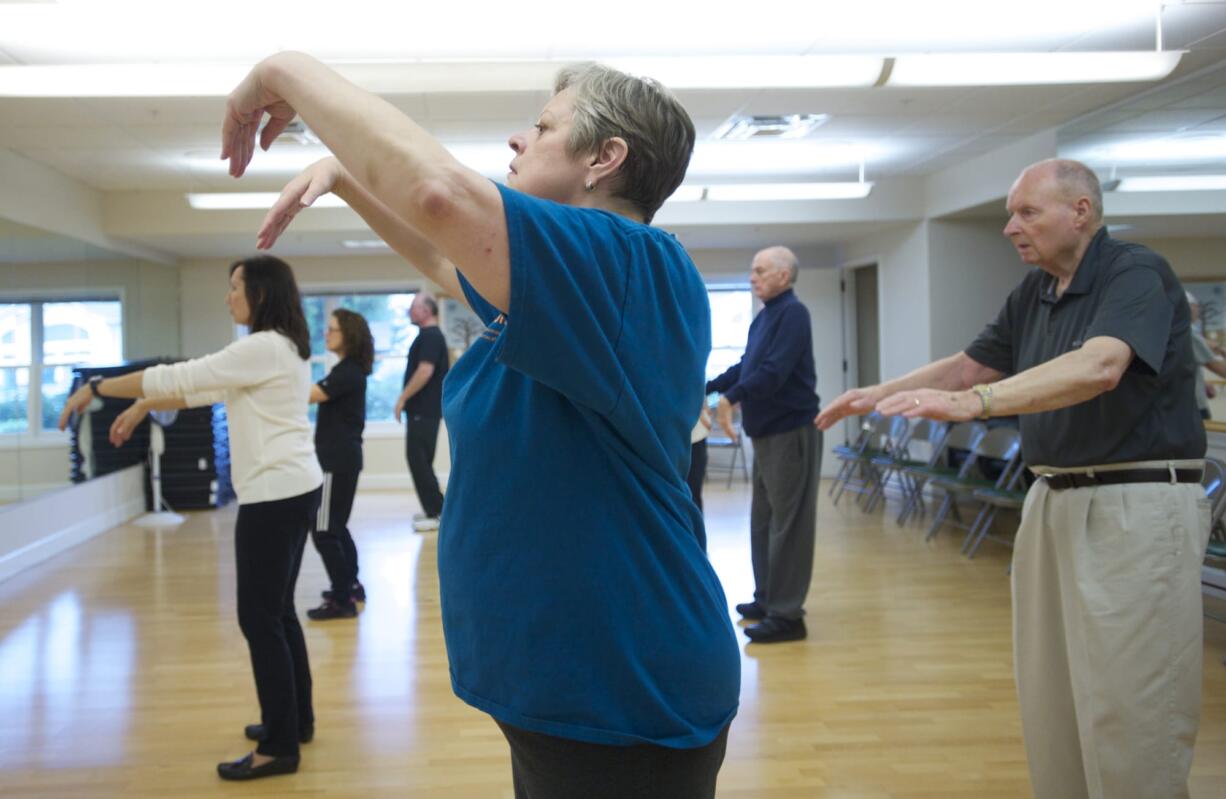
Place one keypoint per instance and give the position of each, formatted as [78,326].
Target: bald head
[424,309]
[773,272]
[1072,180]
[781,258]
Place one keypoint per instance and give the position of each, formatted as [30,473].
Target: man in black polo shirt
[422,402]
[1092,351]
[774,384]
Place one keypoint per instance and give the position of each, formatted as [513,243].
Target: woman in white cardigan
[265,381]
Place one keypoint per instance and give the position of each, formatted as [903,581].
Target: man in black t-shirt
[422,402]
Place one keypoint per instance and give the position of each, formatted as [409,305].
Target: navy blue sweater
[775,381]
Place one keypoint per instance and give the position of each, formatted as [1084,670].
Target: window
[40,345]
[731,313]
[388,317]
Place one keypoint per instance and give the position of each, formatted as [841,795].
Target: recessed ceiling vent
[783,126]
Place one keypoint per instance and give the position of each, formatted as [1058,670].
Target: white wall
[1191,258]
[901,255]
[971,270]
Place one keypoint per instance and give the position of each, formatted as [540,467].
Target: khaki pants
[1107,638]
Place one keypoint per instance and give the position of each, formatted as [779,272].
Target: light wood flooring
[123,672]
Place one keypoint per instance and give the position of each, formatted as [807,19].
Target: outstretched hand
[315,181]
[856,402]
[245,108]
[127,422]
[945,406]
[77,402]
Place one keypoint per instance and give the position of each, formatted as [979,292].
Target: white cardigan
[266,387]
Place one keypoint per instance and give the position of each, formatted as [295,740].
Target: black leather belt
[1059,482]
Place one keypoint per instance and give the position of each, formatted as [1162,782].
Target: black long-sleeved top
[775,381]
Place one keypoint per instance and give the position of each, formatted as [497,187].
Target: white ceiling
[167,146]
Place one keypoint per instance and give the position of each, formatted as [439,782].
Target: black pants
[545,767]
[331,532]
[419,445]
[698,471]
[268,542]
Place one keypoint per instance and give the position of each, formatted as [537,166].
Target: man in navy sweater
[775,383]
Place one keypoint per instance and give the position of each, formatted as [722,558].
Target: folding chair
[1001,443]
[857,456]
[1010,495]
[962,436]
[1214,482]
[922,434]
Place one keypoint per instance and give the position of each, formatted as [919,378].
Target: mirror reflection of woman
[264,379]
[338,442]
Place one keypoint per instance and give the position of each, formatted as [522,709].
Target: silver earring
[590,186]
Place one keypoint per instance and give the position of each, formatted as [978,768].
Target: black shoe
[357,593]
[255,732]
[774,629]
[245,769]
[751,610]
[333,610]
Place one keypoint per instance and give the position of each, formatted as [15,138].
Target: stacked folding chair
[915,476]
[855,472]
[893,464]
[1003,444]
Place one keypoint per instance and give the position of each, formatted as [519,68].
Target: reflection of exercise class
[828,402]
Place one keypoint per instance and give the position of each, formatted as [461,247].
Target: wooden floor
[123,673]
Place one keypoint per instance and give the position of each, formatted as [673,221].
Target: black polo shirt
[430,346]
[342,418]
[1127,292]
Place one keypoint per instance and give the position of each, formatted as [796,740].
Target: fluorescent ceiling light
[1174,183]
[262,200]
[86,31]
[755,71]
[1028,69]
[711,159]
[768,192]
[417,76]
[365,244]
[1197,147]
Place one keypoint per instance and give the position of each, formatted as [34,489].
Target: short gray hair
[658,132]
[784,258]
[1077,180]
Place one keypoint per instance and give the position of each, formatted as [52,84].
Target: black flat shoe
[773,630]
[245,769]
[357,593]
[331,609]
[255,732]
[751,610]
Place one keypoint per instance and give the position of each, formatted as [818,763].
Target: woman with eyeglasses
[338,442]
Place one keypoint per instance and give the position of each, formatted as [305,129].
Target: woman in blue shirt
[569,418]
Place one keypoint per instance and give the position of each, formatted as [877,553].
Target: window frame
[35,435]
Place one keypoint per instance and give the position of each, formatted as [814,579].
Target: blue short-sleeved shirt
[576,599]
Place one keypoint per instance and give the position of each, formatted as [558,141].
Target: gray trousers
[783,518]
